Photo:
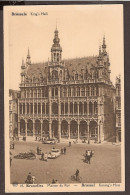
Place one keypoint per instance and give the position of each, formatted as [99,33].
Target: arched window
[56,91]
[43,92]
[66,108]
[69,92]
[46,92]
[78,91]
[35,93]
[20,108]
[75,108]
[35,108]
[87,91]
[39,108]
[95,108]
[47,108]
[85,107]
[65,92]
[31,106]
[92,91]
[55,108]
[73,92]
[31,92]
[43,108]
[80,108]
[90,108]
[62,108]
[52,92]
[39,93]
[71,108]
[23,108]
[82,91]
[27,108]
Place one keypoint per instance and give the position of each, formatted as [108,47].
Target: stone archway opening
[30,128]
[55,129]
[22,127]
[37,127]
[93,130]
[45,128]
[83,129]
[64,129]
[73,130]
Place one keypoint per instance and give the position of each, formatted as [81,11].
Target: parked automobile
[50,141]
[51,156]
[56,152]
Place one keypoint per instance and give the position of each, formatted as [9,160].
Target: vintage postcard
[64,98]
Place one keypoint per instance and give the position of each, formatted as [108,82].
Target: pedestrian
[88,156]
[42,156]
[77,174]
[45,156]
[29,178]
[69,143]
[64,150]
[33,179]
[53,181]
[10,161]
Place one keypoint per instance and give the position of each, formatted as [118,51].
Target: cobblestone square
[105,165]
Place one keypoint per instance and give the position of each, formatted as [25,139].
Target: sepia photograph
[64,98]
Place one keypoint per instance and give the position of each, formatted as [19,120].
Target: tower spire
[28,59]
[104,45]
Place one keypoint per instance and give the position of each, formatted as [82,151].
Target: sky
[81,30]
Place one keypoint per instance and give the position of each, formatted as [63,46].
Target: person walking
[29,178]
[88,156]
[64,150]
[77,174]
[42,156]
[10,161]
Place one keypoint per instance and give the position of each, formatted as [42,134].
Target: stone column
[22,108]
[37,107]
[88,107]
[41,128]
[41,108]
[33,128]
[18,129]
[59,129]
[98,133]
[88,132]
[83,107]
[26,128]
[50,132]
[69,130]
[78,108]
[93,108]
[33,107]
[78,130]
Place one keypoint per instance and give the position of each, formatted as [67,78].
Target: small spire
[99,49]
[104,40]
[28,53]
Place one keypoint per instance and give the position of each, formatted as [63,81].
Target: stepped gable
[77,64]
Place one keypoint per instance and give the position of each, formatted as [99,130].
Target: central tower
[56,50]
[56,65]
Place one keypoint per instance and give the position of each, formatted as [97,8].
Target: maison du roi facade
[70,99]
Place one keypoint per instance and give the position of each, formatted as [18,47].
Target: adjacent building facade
[67,99]
[13,112]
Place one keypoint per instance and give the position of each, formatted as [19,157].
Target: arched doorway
[83,129]
[45,128]
[30,128]
[93,130]
[55,128]
[73,130]
[22,127]
[64,129]
[37,127]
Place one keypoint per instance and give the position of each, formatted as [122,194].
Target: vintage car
[50,141]
[56,152]
[51,156]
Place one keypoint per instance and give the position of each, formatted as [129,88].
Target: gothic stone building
[70,99]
